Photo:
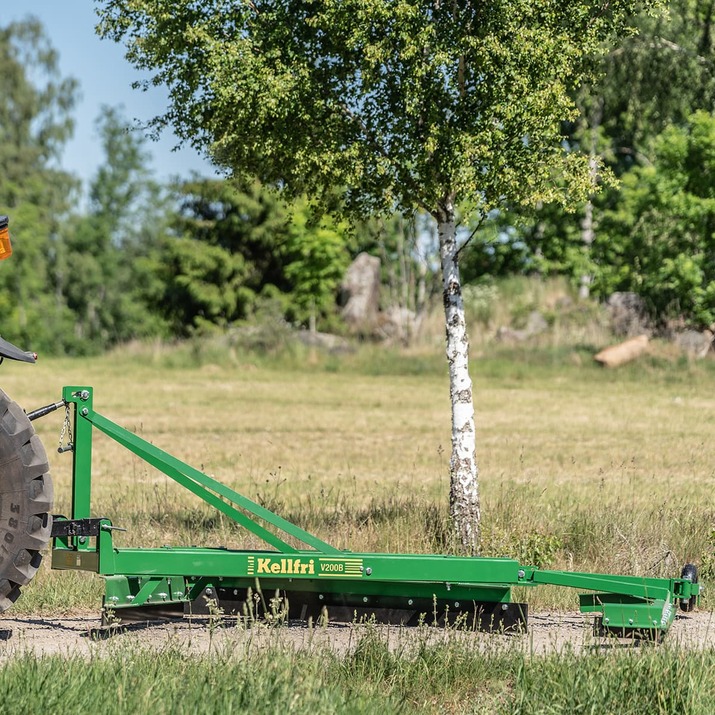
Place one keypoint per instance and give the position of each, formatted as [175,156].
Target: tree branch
[660,43]
[471,235]
[380,149]
[632,152]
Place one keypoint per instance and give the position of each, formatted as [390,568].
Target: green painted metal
[82,456]
[140,577]
[620,611]
[122,590]
[266,565]
[134,591]
[650,588]
[196,481]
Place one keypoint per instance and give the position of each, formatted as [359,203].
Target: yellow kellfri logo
[303,566]
[286,566]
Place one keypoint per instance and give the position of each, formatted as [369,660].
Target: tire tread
[26,498]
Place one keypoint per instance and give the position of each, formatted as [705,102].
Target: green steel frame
[313,577]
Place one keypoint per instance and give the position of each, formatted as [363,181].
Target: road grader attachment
[297,575]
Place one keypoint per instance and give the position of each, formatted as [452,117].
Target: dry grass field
[580,468]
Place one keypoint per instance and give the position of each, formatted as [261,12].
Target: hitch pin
[67,448]
[108,527]
[42,411]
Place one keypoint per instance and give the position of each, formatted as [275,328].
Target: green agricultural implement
[297,575]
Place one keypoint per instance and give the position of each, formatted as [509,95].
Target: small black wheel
[689,573]
[25,501]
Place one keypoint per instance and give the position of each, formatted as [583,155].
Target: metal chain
[66,429]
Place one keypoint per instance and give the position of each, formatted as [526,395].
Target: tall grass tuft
[657,682]
[380,672]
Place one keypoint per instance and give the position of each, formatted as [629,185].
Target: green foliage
[655,234]
[177,682]
[380,673]
[659,76]
[35,119]
[406,104]
[480,300]
[663,681]
[654,79]
[658,237]
[245,219]
[538,549]
[35,122]
[226,251]
[238,246]
[315,259]
[102,272]
[707,559]
[198,285]
[75,282]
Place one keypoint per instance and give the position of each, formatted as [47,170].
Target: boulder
[397,324]
[535,325]
[325,341]
[629,316]
[361,293]
[694,343]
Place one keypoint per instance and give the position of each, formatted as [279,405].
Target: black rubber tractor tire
[25,501]
[689,572]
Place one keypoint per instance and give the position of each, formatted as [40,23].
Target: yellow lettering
[286,566]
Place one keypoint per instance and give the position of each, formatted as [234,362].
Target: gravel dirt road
[76,635]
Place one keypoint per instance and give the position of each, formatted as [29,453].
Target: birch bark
[464,474]
[587,224]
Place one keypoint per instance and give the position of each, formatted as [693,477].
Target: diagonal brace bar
[202,485]
[648,589]
[206,488]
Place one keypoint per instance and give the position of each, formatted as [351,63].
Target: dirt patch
[79,635]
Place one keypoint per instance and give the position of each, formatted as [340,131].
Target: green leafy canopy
[661,228]
[406,103]
[35,123]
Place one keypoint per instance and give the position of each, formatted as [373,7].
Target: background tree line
[133,259]
[650,120]
[143,259]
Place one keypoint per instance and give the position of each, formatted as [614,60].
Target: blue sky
[105,77]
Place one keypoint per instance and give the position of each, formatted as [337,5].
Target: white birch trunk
[587,225]
[464,474]
[587,234]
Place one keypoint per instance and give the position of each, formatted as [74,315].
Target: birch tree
[447,107]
